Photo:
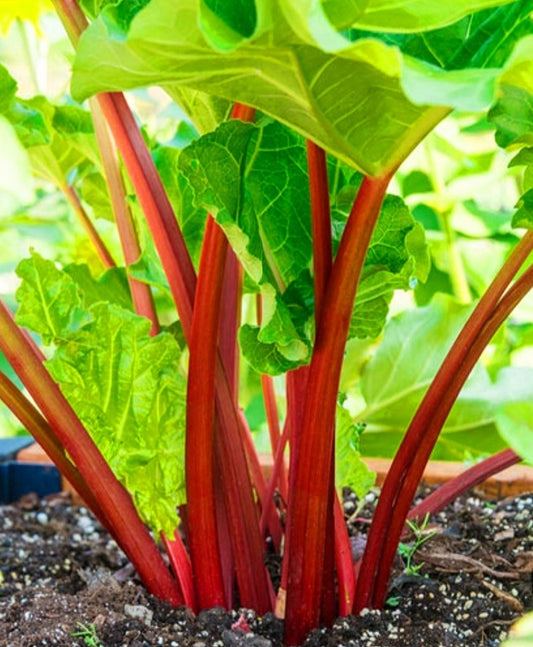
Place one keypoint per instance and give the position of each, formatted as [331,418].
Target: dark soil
[61,575]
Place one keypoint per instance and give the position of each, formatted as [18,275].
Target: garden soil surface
[64,582]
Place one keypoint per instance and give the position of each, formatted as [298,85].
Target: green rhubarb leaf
[112,286]
[396,378]
[484,39]
[228,22]
[350,470]
[254,182]
[50,301]
[8,89]
[374,295]
[191,218]
[513,117]
[57,138]
[263,357]
[205,111]
[124,10]
[389,15]
[124,386]
[295,66]
[397,258]
[525,158]
[268,72]
[93,191]
[437,63]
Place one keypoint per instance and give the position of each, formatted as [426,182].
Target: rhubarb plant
[260,242]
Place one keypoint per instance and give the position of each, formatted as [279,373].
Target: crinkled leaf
[124,386]
[254,181]
[513,117]
[69,145]
[374,295]
[438,62]
[396,378]
[484,39]
[350,470]
[263,357]
[296,67]
[397,257]
[111,286]
[50,301]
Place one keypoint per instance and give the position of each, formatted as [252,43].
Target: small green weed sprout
[408,550]
[89,635]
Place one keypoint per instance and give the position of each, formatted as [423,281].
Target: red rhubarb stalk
[322,264]
[140,292]
[271,410]
[309,497]
[471,477]
[148,187]
[93,235]
[230,320]
[483,470]
[181,567]
[199,453]
[176,262]
[260,485]
[279,460]
[157,209]
[320,222]
[343,562]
